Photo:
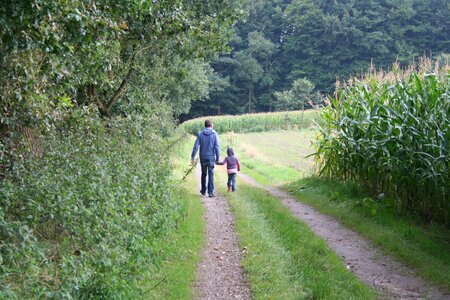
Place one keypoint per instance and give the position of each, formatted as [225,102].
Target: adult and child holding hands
[208,142]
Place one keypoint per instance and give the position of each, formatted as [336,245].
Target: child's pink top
[232,164]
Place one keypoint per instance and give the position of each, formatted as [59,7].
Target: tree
[323,40]
[332,39]
[264,51]
[94,52]
[296,97]
[284,101]
[248,70]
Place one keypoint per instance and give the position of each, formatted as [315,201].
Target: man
[208,141]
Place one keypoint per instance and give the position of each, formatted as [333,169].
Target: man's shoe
[211,195]
[203,193]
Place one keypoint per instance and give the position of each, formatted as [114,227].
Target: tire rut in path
[220,275]
[391,278]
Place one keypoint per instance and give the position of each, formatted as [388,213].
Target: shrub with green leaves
[391,132]
[79,221]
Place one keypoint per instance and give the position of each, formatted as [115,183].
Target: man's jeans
[207,166]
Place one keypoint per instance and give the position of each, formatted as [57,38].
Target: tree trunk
[90,93]
[303,110]
[250,96]
[106,108]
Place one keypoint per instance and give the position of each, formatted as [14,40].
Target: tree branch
[105,108]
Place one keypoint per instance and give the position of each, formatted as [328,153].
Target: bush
[79,221]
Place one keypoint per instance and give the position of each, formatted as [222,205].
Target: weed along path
[390,278]
[220,275]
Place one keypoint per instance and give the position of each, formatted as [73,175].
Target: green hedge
[79,222]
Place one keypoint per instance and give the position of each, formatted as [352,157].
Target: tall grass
[391,132]
[254,122]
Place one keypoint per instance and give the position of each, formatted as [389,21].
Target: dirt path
[219,275]
[386,275]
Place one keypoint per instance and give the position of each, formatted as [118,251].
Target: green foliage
[79,221]
[83,198]
[253,122]
[390,132]
[324,40]
[295,98]
[179,251]
[93,53]
[332,39]
[249,71]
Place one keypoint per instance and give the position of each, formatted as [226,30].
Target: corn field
[254,122]
[390,131]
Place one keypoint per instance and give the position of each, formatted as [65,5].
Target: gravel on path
[393,279]
[220,275]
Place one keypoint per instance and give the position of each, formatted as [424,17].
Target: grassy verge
[179,251]
[284,259]
[424,247]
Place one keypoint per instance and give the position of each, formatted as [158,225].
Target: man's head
[208,123]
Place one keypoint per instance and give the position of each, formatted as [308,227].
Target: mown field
[286,149]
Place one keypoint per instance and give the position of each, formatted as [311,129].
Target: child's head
[230,151]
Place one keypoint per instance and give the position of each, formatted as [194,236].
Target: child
[232,168]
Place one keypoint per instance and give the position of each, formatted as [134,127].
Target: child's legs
[233,181]
[230,179]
